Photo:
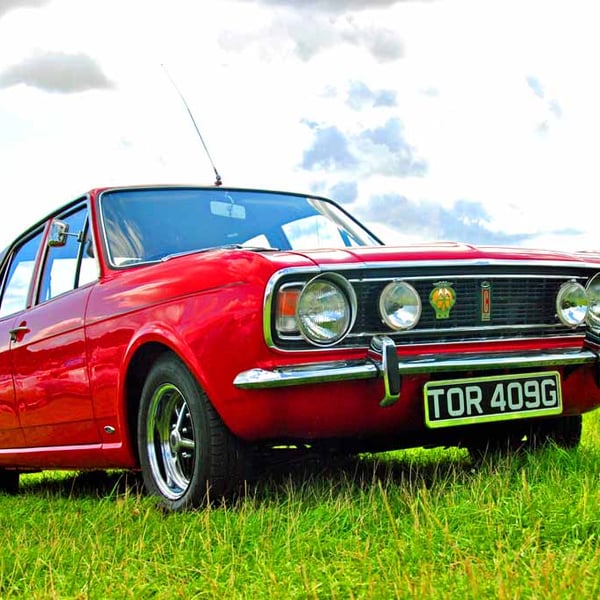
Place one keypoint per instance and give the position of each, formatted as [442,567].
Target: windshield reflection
[142,225]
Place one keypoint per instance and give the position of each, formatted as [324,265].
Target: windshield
[143,225]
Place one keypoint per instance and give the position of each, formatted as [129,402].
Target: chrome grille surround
[522,301]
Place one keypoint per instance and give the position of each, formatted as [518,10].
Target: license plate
[485,399]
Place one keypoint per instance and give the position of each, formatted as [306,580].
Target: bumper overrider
[382,361]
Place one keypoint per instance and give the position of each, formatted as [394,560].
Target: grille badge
[486,301]
[442,299]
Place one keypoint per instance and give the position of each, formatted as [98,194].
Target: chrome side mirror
[59,231]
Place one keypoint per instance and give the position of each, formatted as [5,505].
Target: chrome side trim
[306,373]
[309,373]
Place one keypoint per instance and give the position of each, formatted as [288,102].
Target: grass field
[415,524]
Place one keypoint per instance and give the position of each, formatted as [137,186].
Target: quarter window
[18,281]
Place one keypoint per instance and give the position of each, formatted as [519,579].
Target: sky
[468,120]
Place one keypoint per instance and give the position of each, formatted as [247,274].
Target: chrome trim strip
[307,373]
[310,373]
[471,262]
[411,264]
[465,276]
[577,330]
[560,336]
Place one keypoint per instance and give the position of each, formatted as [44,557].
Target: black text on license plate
[498,398]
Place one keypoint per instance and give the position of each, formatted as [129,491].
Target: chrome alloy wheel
[171,444]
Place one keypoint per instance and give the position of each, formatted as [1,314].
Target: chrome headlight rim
[347,292]
[385,315]
[593,294]
[572,313]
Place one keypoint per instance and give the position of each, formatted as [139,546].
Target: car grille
[526,304]
[522,305]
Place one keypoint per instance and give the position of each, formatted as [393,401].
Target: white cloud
[56,72]
[10,5]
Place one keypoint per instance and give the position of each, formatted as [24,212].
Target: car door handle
[14,333]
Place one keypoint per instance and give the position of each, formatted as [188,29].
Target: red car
[184,330]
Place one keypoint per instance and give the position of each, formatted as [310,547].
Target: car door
[17,273]
[52,387]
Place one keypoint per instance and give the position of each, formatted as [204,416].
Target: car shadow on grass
[275,475]
[82,484]
[415,469]
[359,472]
[278,474]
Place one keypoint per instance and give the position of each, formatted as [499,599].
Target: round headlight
[400,305]
[593,294]
[572,304]
[326,309]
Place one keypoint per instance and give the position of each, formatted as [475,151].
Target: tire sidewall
[169,369]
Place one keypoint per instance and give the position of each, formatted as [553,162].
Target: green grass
[415,524]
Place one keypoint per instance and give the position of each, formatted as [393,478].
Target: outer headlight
[400,305]
[326,309]
[572,304]
[593,294]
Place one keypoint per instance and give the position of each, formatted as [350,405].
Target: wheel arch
[144,349]
[140,364]
[141,360]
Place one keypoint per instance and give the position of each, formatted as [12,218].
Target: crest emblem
[442,299]
[486,301]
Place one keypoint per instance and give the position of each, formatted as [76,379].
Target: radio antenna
[218,180]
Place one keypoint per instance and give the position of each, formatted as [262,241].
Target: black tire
[495,439]
[187,455]
[9,481]
[565,432]
[512,438]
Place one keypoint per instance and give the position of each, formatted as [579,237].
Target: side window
[18,280]
[71,265]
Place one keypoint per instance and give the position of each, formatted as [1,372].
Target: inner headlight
[572,304]
[593,294]
[400,305]
[326,309]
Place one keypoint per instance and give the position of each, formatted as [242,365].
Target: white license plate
[497,398]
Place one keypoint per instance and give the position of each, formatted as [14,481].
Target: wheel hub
[174,440]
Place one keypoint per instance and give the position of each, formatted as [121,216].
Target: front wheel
[187,455]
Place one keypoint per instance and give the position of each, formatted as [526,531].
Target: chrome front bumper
[382,361]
